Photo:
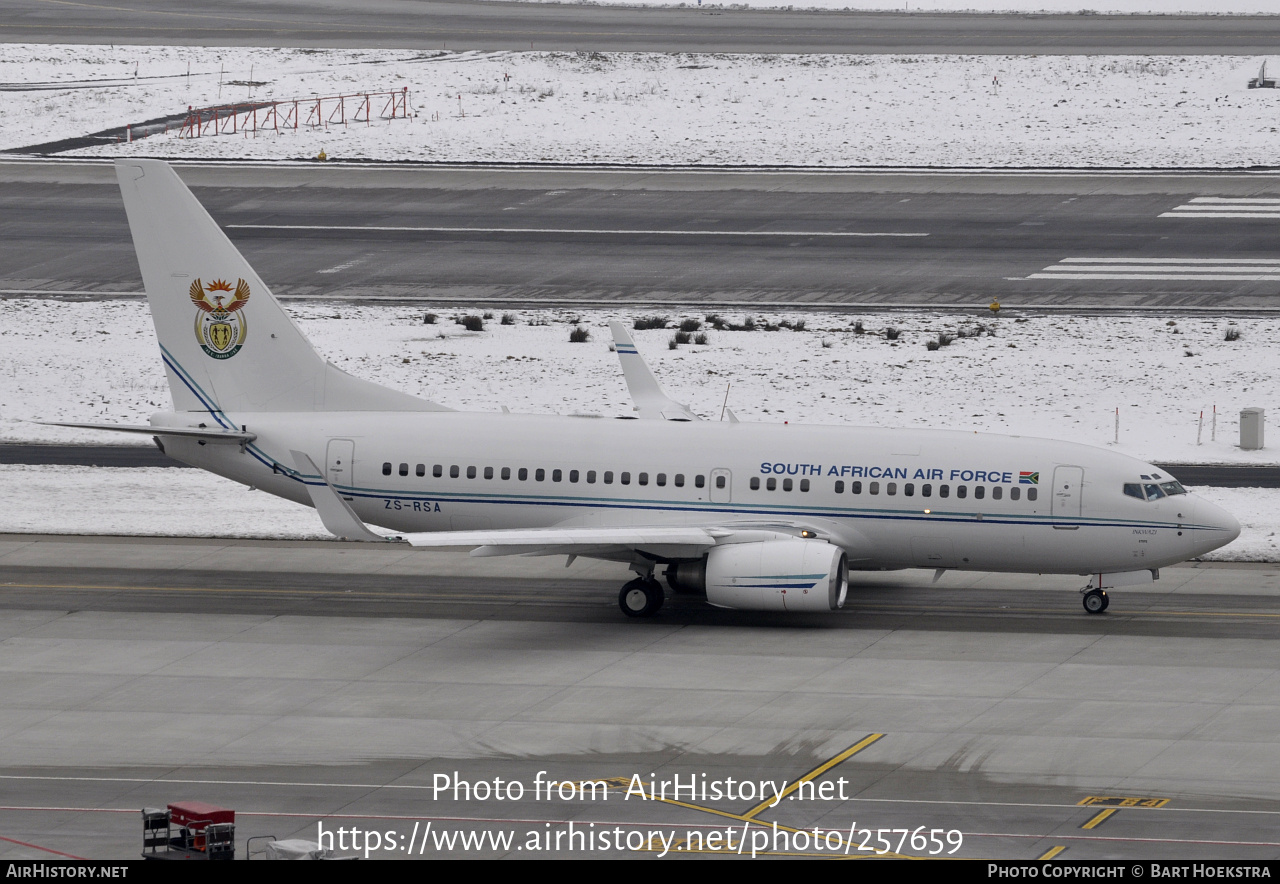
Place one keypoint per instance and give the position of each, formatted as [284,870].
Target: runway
[765,239]
[470,24]
[302,683]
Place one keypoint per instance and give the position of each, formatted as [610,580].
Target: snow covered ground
[808,110]
[1097,7]
[1055,376]
[159,502]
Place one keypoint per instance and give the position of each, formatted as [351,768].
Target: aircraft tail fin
[227,343]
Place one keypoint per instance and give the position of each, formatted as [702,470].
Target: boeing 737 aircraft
[754,516]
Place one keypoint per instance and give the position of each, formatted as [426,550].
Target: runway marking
[1226,207]
[1193,269]
[418,787]
[1101,818]
[815,773]
[1121,801]
[570,230]
[45,849]
[1052,852]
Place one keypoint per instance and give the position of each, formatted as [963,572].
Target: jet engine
[770,575]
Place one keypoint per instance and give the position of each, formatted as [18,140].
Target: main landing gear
[1096,601]
[641,597]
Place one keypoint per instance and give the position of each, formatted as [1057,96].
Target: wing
[198,297]
[239,298]
[652,402]
[658,541]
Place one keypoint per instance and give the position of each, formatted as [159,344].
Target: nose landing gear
[641,597]
[1096,601]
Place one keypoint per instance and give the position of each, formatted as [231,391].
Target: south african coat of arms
[220,325]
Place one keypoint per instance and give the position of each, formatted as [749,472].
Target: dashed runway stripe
[1195,269]
[1227,207]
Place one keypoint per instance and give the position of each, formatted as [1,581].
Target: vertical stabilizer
[227,344]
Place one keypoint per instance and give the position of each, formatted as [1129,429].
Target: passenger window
[386,469]
[909,490]
[591,477]
[786,484]
[488,472]
[873,487]
[771,484]
[437,471]
[855,487]
[608,477]
[1032,493]
[471,472]
[926,490]
[661,480]
[679,480]
[699,481]
[573,475]
[556,475]
[962,491]
[997,493]
[1133,489]
[404,469]
[523,475]
[540,474]
[755,483]
[625,478]
[420,470]
[720,481]
[1015,493]
[642,479]
[979,492]
[839,486]
[506,472]
[804,484]
[944,490]
[891,488]
[453,471]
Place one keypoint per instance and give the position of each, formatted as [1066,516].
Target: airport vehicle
[756,516]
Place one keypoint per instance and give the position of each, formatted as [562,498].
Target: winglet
[651,401]
[336,513]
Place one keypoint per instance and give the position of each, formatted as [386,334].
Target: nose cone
[1214,527]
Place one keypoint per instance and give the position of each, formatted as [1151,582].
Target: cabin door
[338,462]
[1067,482]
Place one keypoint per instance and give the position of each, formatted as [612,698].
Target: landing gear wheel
[641,597]
[1096,601]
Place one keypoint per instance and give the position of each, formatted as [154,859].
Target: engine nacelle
[777,575]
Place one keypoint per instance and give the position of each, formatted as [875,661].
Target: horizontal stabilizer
[651,401]
[212,434]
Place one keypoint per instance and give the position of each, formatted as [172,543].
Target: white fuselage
[1009,504]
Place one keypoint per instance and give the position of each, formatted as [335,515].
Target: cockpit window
[1153,492]
[1172,488]
[1133,489]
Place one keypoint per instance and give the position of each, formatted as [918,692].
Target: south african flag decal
[1025,478]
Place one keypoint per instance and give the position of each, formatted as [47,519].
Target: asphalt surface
[498,236]
[473,24]
[330,684]
[1219,475]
